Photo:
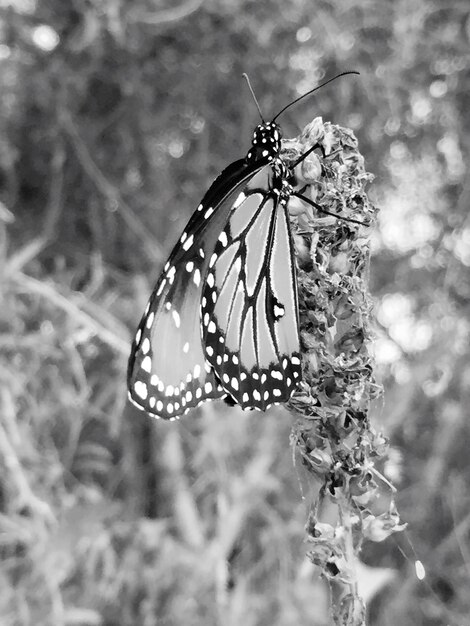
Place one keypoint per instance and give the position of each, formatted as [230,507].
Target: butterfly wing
[167,372]
[249,304]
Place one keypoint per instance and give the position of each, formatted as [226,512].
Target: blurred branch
[458,526]
[158,18]
[54,204]
[6,215]
[110,191]
[27,253]
[186,515]
[119,343]
[25,497]
[451,424]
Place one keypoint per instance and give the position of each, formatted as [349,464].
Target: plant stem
[333,435]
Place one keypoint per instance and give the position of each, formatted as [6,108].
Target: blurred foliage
[114,117]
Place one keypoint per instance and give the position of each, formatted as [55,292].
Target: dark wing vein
[168,373]
[250,327]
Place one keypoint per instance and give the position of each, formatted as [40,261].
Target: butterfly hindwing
[249,303]
[168,372]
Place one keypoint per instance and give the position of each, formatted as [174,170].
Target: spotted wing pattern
[249,302]
[168,372]
[222,318]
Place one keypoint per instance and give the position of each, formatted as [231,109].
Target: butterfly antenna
[310,92]
[245,76]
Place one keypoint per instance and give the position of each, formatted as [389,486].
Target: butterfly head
[266,143]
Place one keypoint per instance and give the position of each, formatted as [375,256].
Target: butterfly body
[222,318]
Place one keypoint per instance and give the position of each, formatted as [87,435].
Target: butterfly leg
[322,210]
[317,146]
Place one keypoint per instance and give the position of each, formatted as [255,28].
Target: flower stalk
[332,434]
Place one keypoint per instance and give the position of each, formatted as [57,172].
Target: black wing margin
[168,372]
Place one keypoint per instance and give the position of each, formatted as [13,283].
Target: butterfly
[222,320]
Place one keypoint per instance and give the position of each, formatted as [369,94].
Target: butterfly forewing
[168,372]
[249,304]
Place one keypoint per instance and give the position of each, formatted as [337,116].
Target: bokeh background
[115,115]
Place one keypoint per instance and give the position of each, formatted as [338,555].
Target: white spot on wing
[141,389]
[278,311]
[239,200]
[147,364]
[171,274]
[150,319]
[145,347]
[186,347]
[176,319]
[188,243]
